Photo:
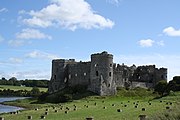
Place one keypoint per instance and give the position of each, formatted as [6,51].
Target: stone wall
[101,75]
[79,73]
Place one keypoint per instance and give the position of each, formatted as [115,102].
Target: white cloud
[116,2]
[146,43]
[16,43]
[22,12]
[26,35]
[31,74]
[170,31]
[1,39]
[41,55]
[69,14]
[160,43]
[15,60]
[3,10]
[32,34]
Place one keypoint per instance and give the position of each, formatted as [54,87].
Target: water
[7,108]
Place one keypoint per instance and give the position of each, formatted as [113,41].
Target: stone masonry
[101,75]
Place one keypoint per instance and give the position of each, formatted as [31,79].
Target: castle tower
[161,74]
[59,75]
[101,75]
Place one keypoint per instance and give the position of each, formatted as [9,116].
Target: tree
[161,87]
[35,92]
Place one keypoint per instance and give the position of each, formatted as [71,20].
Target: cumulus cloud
[26,35]
[32,34]
[170,31]
[3,10]
[69,14]
[41,55]
[146,43]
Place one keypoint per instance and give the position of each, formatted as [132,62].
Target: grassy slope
[16,88]
[128,113]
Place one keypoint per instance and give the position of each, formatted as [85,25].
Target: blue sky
[33,32]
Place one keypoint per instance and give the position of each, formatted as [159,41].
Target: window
[95,65]
[110,65]
[69,76]
[55,77]
[76,75]
[110,74]
[85,74]
[97,73]
[162,77]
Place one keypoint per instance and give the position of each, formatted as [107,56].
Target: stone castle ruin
[101,75]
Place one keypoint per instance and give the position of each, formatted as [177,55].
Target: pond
[7,108]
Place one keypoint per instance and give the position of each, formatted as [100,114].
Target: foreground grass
[16,88]
[86,107]
[171,114]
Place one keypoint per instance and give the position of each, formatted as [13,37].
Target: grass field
[105,108]
[16,88]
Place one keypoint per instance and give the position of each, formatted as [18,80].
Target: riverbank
[7,108]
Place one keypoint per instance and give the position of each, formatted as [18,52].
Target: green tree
[161,87]
[35,92]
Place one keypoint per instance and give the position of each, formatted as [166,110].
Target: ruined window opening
[108,85]
[65,80]
[85,74]
[55,77]
[110,74]
[95,65]
[76,75]
[69,76]
[110,65]
[162,77]
[97,73]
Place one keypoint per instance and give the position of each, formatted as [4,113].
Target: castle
[101,75]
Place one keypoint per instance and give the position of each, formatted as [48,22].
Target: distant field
[100,108]
[16,88]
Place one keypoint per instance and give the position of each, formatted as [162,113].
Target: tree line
[164,88]
[28,83]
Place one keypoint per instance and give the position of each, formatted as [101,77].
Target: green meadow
[16,88]
[126,105]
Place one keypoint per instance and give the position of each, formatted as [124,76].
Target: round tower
[101,78]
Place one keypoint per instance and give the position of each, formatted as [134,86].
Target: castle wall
[161,74]
[79,74]
[101,75]
[59,74]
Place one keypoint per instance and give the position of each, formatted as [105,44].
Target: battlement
[63,60]
[106,54]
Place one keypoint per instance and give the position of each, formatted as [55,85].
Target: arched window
[97,73]
[110,74]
